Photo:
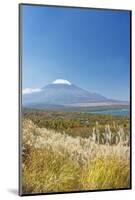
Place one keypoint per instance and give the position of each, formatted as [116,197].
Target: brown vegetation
[56,162]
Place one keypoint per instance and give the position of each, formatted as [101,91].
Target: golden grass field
[57,162]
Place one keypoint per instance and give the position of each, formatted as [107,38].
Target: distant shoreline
[95,104]
[122,110]
[114,112]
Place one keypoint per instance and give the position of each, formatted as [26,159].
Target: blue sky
[90,48]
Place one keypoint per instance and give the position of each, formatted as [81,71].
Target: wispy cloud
[31,90]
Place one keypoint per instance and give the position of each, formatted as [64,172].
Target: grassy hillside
[77,123]
[74,151]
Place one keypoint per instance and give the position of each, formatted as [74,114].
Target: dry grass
[55,162]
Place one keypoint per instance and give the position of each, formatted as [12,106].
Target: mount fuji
[62,93]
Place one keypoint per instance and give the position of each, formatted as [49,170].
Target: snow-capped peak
[61,81]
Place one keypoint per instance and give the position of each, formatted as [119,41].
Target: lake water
[118,112]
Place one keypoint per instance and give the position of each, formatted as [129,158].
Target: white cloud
[61,81]
[31,90]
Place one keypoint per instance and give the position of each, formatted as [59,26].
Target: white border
[9,97]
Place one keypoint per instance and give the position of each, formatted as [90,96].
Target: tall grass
[56,162]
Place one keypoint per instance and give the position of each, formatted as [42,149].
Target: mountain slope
[62,93]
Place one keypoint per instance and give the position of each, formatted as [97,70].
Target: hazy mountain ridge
[64,95]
